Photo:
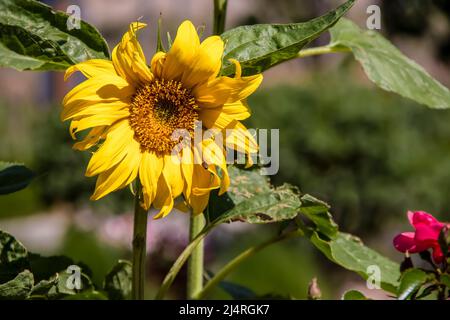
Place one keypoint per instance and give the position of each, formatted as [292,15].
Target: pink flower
[425,237]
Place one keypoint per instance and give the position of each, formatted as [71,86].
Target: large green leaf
[17,288]
[387,67]
[278,204]
[14,177]
[244,185]
[35,37]
[349,252]
[118,281]
[252,199]
[259,47]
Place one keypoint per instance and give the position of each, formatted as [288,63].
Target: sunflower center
[157,110]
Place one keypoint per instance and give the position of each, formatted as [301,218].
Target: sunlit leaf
[387,67]
[350,253]
[35,37]
[252,199]
[261,46]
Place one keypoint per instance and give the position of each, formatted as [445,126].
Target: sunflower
[133,110]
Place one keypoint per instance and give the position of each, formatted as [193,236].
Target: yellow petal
[198,203]
[89,109]
[182,206]
[149,172]
[206,64]
[163,200]
[96,121]
[91,139]
[119,140]
[187,168]
[92,68]
[239,138]
[129,60]
[172,174]
[118,176]
[221,117]
[182,52]
[224,90]
[157,64]
[204,180]
[214,154]
[98,90]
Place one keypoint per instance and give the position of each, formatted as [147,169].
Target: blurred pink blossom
[427,229]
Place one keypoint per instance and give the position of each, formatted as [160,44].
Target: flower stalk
[220,14]
[139,246]
[195,262]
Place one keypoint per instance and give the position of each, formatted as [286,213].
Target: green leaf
[35,37]
[244,185]
[353,295]
[13,257]
[42,288]
[428,293]
[18,288]
[118,281]
[14,177]
[252,199]
[445,279]
[279,204]
[350,253]
[317,211]
[387,67]
[410,283]
[262,46]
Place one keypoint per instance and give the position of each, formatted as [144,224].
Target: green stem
[139,246]
[178,264]
[220,15]
[195,263]
[233,264]
[321,50]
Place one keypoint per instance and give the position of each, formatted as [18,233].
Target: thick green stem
[195,262]
[321,50]
[139,246]
[220,15]
[233,264]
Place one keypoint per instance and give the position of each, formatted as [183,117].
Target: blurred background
[370,154]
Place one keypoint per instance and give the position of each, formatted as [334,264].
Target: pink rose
[425,237]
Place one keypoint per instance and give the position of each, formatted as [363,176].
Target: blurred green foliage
[370,154]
